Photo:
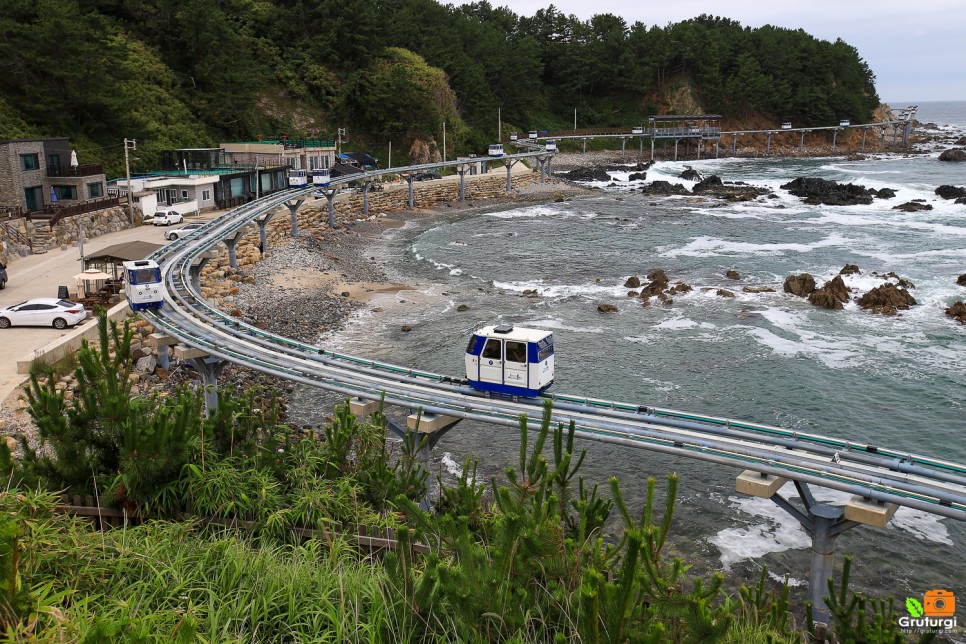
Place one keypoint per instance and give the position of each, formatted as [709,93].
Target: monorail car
[551,146]
[637,129]
[513,361]
[532,135]
[845,123]
[298,178]
[320,177]
[514,136]
[496,150]
[142,284]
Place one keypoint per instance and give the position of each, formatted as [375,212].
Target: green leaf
[914,607]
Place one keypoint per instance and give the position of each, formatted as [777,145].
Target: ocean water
[766,357]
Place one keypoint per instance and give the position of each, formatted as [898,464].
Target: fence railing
[13,233]
[56,214]
[86,170]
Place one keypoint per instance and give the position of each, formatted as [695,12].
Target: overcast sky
[915,48]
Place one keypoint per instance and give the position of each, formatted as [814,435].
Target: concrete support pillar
[824,523]
[161,343]
[835,134]
[232,243]
[209,368]
[623,144]
[330,194]
[293,208]
[585,146]
[734,144]
[864,130]
[882,140]
[676,149]
[652,148]
[716,142]
[768,146]
[801,143]
[365,197]
[412,201]
[194,272]
[700,144]
[509,179]
[641,153]
[462,172]
[262,233]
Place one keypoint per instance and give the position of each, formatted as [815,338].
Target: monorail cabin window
[544,349]
[471,347]
[144,275]
[492,350]
[516,351]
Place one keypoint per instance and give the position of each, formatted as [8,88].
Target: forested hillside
[176,73]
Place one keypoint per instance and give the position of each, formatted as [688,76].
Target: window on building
[30,162]
[53,163]
[65,192]
[95,190]
[206,195]
[184,194]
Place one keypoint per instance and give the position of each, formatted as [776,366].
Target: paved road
[39,276]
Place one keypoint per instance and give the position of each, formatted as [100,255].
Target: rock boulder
[961,280]
[849,269]
[607,308]
[886,299]
[800,285]
[588,174]
[732,274]
[690,174]
[664,188]
[950,192]
[913,206]
[832,294]
[957,311]
[821,191]
[633,282]
[954,154]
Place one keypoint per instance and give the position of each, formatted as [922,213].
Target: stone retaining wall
[66,231]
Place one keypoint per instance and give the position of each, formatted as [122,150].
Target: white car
[183,231]
[166,218]
[43,311]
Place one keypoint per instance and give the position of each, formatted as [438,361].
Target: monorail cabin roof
[519,334]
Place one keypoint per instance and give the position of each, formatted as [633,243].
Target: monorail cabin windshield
[513,361]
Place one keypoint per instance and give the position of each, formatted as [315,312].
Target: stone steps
[40,240]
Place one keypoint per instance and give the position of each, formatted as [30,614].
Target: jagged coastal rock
[950,192]
[887,299]
[821,191]
[913,206]
[607,308]
[833,294]
[658,283]
[957,311]
[961,280]
[732,274]
[596,173]
[849,269]
[632,282]
[664,188]
[690,174]
[800,285]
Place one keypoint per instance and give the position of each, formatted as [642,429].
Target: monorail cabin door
[504,362]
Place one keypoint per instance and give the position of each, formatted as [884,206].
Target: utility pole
[444,141]
[389,164]
[499,125]
[575,119]
[338,146]
[258,183]
[129,144]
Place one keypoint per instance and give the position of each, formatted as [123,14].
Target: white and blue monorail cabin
[298,178]
[507,360]
[320,177]
[496,150]
[142,284]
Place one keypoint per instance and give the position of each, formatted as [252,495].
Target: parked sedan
[43,311]
[182,231]
[166,218]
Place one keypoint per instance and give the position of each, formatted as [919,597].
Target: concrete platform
[873,513]
[430,423]
[757,484]
[363,408]
[183,352]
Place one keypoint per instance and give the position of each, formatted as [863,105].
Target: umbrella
[53,195]
[92,275]
[73,158]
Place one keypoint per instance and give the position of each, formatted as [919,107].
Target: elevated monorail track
[875,473]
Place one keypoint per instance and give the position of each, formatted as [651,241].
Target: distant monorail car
[142,284]
[551,146]
[532,135]
[298,178]
[845,123]
[637,129]
[320,177]
[514,136]
[513,361]
[496,150]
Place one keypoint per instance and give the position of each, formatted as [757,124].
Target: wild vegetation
[176,73]
[527,558]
